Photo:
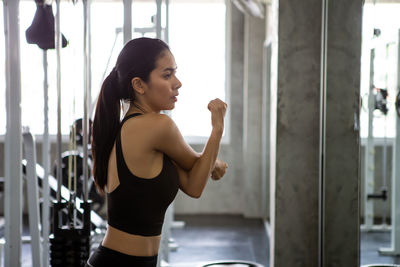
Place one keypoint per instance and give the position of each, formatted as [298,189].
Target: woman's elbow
[197,196]
[194,194]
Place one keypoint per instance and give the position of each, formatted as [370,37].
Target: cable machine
[394,249]
[70,240]
[72,217]
[377,100]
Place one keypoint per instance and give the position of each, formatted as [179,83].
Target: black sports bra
[137,206]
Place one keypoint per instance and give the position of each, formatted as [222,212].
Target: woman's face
[163,85]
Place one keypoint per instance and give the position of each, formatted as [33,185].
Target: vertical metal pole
[7,136]
[158,19]
[384,167]
[322,134]
[167,22]
[13,152]
[369,153]
[90,61]
[59,139]
[33,198]
[127,20]
[395,242]
[265,127]
[86,32]
[46,166]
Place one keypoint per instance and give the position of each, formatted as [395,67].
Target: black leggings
[105,257]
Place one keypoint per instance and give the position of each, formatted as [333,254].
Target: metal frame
[33,198]
[13,144]
[369,165]
[127,20]
[86,102]
[59,137]
[46,167]
[395,216]
[95,218]
[369,160]
[158,19]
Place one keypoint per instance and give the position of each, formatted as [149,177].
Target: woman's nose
[178,84]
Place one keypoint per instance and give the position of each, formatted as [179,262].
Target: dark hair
[137,59]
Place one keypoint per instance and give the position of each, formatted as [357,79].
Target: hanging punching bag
[41,32]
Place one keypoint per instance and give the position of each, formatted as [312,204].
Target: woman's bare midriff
[129,244]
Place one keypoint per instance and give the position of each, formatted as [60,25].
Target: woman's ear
[138,85]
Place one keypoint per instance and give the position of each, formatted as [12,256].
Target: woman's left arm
[217,173]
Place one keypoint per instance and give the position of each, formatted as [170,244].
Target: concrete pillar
[234,79]
[315,74]
[342,139]
[254,36]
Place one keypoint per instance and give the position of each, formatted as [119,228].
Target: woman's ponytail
[106,125]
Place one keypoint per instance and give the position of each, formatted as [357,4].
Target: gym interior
[313,98]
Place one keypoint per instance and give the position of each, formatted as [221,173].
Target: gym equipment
[77,175]
[72,166]
[70,243]
[232,263]
[380,265]
[41,32]
[369,154]
[381,100]
[13,138]
[376,100]
[96,220]
[33,197]
[78,125]
[46,166]
[70,240]
[395,229]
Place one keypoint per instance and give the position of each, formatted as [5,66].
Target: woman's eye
[167,76]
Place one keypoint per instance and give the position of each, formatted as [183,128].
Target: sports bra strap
[128,117]
[118,148]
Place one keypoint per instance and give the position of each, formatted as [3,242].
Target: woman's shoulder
[153,130]
[154,122]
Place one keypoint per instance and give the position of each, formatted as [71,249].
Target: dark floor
[226,237]
[208,238]
[371,242]
[219,237]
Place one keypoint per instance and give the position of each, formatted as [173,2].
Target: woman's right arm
[193,178]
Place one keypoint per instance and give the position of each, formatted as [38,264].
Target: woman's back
[137,139]
[144,182]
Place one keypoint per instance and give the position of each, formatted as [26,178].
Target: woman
[141,162]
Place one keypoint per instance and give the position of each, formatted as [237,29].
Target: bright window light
[384,17]
[196,38]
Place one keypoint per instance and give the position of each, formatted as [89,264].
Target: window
[383,17]
[196,38]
